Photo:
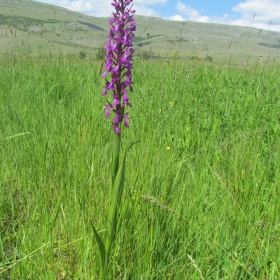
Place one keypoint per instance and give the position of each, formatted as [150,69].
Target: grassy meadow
[201,196]
[30,28]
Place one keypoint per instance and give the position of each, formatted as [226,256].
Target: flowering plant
[119,61]
[119,53]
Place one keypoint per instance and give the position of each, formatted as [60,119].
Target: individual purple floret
[119,61]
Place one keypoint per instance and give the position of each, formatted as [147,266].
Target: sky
[262,14]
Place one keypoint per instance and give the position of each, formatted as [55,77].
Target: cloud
[186,12]
[145,11]
[177,18]
[265,12]
[150,2]
[104,8]
[264,9]
[81,5]
[259,14]
[190,13]
[91,7]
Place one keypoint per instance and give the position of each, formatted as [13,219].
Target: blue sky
[202,7]
[233,12]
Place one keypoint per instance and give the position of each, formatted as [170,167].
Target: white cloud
[145,11]
[265,11]
[191,13]
[81,5]
[104,8]
[150,2]
[177,18]
[91,7]
[259,14]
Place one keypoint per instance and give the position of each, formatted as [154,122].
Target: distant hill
[32,27]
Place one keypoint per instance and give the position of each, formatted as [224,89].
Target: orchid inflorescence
[119,61]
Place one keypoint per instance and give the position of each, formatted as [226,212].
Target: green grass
[208,208]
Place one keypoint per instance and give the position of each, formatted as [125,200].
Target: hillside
[32,27]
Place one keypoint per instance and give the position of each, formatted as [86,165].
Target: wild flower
[174,55]
[119,51]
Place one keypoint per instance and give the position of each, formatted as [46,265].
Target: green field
[201,197]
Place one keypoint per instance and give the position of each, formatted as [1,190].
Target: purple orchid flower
[119,53]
